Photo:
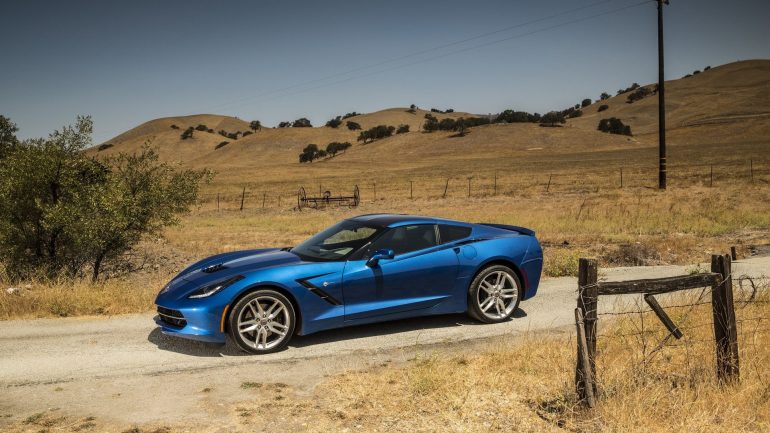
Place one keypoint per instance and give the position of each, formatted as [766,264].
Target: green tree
[585,103]
[604,96]
[402,129]
[335,122]
[8,140]
[255,125]
[302,122]
[552,119]
[353,126]
[188,133]
[63,213]
[309,153]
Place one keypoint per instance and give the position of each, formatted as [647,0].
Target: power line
[414,54]
[428,59]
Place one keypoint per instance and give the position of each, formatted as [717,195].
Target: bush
[201,127]
[222,132]
[284,124]
[379,131]
[553,118]
[302,122]
[628,89]
[334,123]
[706,68]
[255,125]
[104,146]
[80,213]
[351,114]
[602,108]
[335,147]
[511,116]
[210,131]
[575,113]
[402,129]
[353,126]
[613,125]
[431,123]
[188,133]
[639,94]
[174,127]
[221,145]
[585,103]
[604,96]
[245,133]
[309,153]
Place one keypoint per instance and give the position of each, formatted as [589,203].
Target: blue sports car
[366,269]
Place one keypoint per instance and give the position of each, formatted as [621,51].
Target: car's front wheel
[494,294]
[262,321]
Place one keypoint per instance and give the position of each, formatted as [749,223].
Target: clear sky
[125,62]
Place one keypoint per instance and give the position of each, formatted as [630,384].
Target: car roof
[394,220]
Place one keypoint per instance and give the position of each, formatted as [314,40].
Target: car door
[420,275]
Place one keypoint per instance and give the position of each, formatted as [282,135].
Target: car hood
[221,266]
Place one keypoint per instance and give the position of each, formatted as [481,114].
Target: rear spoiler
[522,230]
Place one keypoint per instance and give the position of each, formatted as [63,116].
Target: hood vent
[214,268]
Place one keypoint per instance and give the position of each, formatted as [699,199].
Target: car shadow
[202,349]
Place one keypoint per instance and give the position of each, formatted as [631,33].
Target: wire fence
[534,177]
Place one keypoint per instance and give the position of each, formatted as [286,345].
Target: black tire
[270,334]
[477,302]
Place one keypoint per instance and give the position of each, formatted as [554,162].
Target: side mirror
[378,255]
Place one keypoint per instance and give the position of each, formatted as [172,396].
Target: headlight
[215,287]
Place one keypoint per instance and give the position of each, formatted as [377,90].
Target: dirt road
[123,369]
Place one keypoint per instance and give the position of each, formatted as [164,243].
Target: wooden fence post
[446,186]
[711,176]
[733,253]
[243,196]
[411,190]
[264,196]
[588,294]
[374,185]
[621,177]
[751,169]
[469,185]
[725,330]
[584,374]
[549,183]
[495,190]
[217,202]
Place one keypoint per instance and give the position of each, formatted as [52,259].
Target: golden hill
[726,103]
[729,104]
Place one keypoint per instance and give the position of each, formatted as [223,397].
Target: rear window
[449,233]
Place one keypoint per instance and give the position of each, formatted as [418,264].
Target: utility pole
[661,102]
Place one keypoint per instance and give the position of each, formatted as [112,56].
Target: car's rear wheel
[262,321]
[494,294]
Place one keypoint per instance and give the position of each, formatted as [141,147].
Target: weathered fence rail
[586,316]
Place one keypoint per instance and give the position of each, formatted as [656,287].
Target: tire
[263,321]
[494,294]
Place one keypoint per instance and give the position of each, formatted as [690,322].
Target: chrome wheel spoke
[247,329]
[264,323]
[487,303]
[277,328]
[497,295]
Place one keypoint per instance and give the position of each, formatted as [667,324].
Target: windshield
[337,242]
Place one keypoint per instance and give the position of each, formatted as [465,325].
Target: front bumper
[199,323]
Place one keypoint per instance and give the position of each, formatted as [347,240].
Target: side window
[450,233]
[405,239]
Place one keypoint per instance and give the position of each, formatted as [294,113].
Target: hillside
[723,104]
[729,104]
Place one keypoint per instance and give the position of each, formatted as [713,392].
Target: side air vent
[319,292]
[214,268]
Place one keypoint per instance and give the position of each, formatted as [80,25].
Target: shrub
[201,127]
[585,103]
[604,96]
[402,129]
[602,108]
[511,116]
[104,146]
[174,127]
[575,113]
[245,133]
[706,68]
[628,89]
[255,125]
[553,118]
[353,126]
[222,132]
[379,131]
[221,145]
[351,114]
[233,135]
[188,133]
[431,123]
[284,124]
[334,123]
[613,125]
[80,213]
[210,131]
[639,94]
[309,153]
[302,122]
[335,147]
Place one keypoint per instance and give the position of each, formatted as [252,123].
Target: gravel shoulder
[123,369]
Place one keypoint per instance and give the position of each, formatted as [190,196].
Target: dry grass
[528,386]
